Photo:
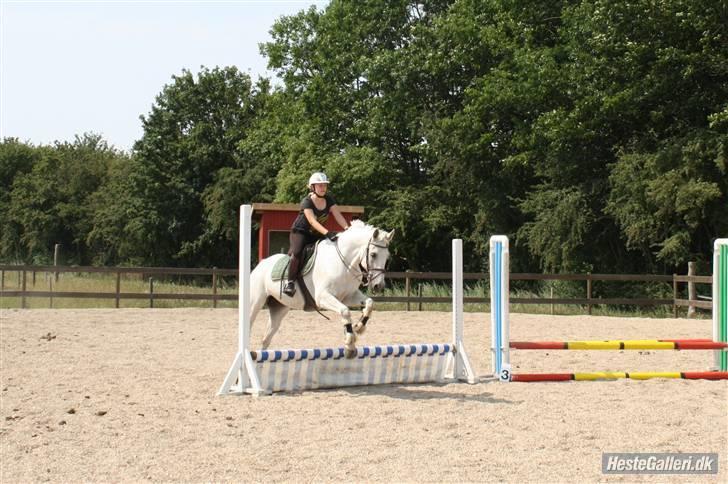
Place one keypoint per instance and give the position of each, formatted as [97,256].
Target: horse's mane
[359,230]
[360,225]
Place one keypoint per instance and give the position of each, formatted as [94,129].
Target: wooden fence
[146,273]
[589,301]
[413,295]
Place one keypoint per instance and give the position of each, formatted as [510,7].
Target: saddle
[280,269]
[280,273]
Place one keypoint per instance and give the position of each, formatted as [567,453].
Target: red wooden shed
[276,220]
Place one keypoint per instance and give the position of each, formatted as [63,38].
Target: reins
[365,275]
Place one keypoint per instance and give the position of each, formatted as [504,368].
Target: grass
[480,289]
[72,282]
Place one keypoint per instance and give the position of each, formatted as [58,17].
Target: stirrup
[289,289]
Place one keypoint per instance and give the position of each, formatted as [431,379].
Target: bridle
[365,274]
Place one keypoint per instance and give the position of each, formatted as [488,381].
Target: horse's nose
[379,286]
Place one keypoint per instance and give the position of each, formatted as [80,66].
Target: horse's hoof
[349,353]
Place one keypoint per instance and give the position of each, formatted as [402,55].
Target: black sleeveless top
[301,223]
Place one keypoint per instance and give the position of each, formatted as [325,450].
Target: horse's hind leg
[257,301]
[276,313]
[258,288]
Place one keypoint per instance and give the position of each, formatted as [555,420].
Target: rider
[309,225]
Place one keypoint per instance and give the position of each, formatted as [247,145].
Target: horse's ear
[375,235]
[390,235]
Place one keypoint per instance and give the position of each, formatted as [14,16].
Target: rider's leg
[297,242]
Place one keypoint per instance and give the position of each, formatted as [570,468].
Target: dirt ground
[130,395]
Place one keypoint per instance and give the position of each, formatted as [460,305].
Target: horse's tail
[258,286]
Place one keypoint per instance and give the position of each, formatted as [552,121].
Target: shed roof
[294,207]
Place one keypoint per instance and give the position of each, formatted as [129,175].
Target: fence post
[151,292]
[588,292]
[2,279]
[674,295]
[214,287]
[407,287]
[33,278]
[691,290]
[22,298]
[419,296]
[56,254]
[50,289]
[551,290]
[118,288]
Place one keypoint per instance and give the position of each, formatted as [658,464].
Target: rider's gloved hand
[332,236]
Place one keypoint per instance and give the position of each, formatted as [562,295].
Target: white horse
[358,257]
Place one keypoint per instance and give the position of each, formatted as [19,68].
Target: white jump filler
[265,371]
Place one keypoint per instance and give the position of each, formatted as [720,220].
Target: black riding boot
[289,289]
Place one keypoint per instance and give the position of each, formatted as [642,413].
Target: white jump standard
[265,371]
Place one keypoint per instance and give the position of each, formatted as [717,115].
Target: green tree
[362,101]
[53,203]
[187,163]
[643,80]
[16,160]
[544,121]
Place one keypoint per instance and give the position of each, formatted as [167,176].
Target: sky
[70,67]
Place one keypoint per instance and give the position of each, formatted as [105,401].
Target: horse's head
[375,260]
[374,250]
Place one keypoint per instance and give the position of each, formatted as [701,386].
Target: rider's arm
[308,212]
[339,218]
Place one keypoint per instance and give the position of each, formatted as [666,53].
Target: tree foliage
[594,133]
[50,197]
[178,203]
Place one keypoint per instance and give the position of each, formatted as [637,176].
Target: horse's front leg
[328,301]
[360,299]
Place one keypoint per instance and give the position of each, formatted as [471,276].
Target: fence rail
[411,296]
